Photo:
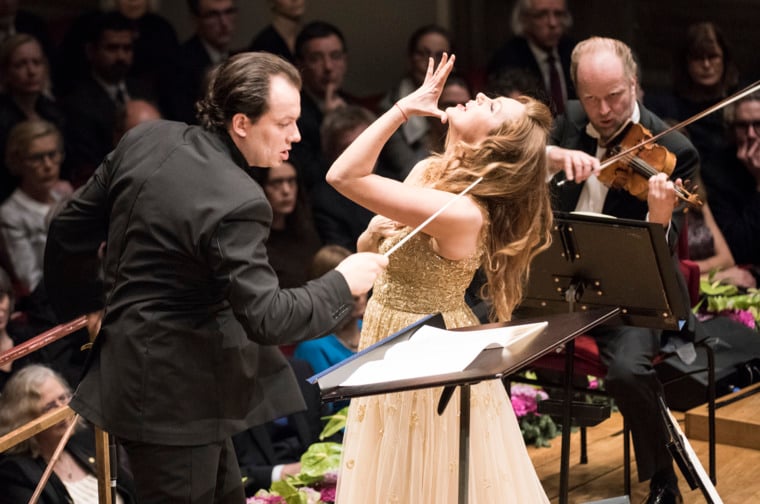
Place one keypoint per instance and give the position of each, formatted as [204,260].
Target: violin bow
[726,101]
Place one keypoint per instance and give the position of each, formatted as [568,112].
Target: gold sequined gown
[397,449]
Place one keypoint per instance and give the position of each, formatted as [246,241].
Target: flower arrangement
[316,483]
[727,300]
[536,429]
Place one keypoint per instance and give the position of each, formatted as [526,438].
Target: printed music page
[432,351]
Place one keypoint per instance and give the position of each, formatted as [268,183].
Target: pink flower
[742,316]
[525,399]
[327,494]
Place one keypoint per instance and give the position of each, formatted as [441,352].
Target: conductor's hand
[577,165]
[360,270]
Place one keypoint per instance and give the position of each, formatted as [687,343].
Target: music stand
[597,261]
[491,363]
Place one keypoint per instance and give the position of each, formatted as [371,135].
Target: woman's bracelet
[402,111]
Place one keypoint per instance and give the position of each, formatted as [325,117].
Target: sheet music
[707,485]
[432,351]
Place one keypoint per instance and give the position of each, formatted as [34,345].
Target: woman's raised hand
[424,100]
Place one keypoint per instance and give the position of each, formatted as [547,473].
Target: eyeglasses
[744,126]
[39,158]
[61,400]
[218,14]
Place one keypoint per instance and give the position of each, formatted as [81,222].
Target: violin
[634,159]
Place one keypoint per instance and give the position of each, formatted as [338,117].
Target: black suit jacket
[91,118]
[570,132]
[517,54]
[185,355]
[183,81]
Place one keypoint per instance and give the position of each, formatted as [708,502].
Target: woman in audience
[279,37]
[34,155]
[31,392]
[293,239]
[25,85]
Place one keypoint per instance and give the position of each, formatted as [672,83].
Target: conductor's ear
[240,124]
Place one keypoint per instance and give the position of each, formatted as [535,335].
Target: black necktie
[119,96]
[555,86]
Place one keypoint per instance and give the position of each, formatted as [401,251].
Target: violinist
[604,74]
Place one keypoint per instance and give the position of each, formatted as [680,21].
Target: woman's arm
[456,229]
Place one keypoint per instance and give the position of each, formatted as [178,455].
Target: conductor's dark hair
[315,30]
[240,85]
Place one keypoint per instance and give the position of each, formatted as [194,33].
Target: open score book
[432,351]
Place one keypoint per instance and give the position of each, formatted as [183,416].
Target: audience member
[271,452]
[31,392]
[293,238]
[91,106]
[325,352]
[514,82]
[34,154]
[25,81]
[10,334]
[322,60]
[604,73]
[339,220]
[155,43]
[733,183]
[279,37]
[215,24]
[14,20]
[133,112]
[704,72]
[541,46]
[429,41]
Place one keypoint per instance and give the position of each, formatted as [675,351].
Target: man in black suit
[93,102]
[186,356]
[215,24]
[605,77]
[540,46]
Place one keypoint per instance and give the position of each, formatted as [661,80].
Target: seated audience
[10,334]
[732,181]
[279,37]
[31,392]
[324,352]
[429,41]
[293,238]
[704,72]
[133,112]
[540,46]
[339,220]
[215,24]
[321,57]
[91,106]
[25,85]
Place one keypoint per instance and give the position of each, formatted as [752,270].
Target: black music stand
[596,261]
[491,363]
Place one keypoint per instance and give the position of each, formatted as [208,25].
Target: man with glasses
[215,25]
[733,183]
[540,46]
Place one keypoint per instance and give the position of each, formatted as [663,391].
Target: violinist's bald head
[604,73]
[600,45]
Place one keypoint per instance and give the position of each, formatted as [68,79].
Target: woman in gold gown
[397,449]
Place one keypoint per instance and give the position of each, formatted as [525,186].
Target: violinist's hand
[577,165]
[424,100]
[661,198]
[94,319]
